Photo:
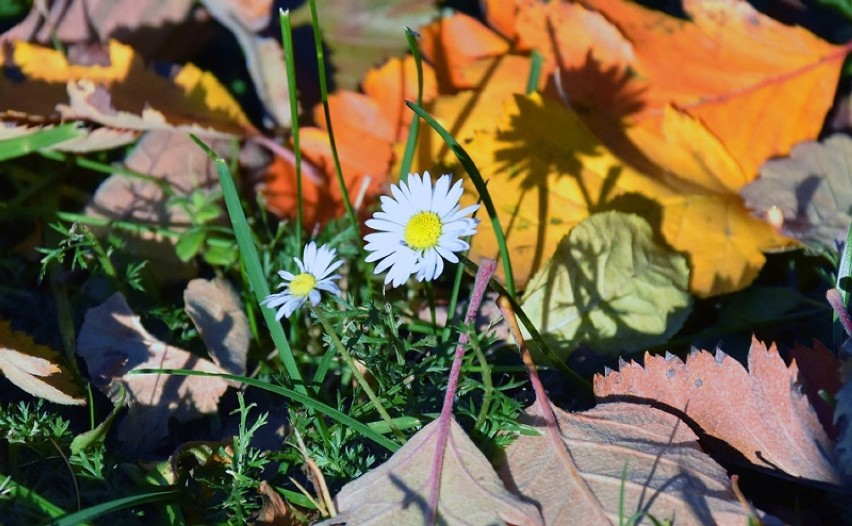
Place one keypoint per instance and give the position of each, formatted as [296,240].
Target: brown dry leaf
[146,24]
[275,511]
[217,312]
[652,455]
[264,56]
[120,93]
[819,370]
[113,343]
[35,368]
[397,491]
[176,161]
[762,413]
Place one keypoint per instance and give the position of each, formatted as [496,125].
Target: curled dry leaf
[36,368]
[762,413]
[113,343]
[812,188]
[648,457]
[217,312]
[397,491]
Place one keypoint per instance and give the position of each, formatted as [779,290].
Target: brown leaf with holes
[113,343]
[761,413]
[397,492]
[649,457]
[36,368]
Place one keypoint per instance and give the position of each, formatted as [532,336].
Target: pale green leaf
[611,286]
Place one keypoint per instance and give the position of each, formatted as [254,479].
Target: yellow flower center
[302,284]
[423,230]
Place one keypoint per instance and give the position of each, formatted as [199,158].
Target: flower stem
[359,377]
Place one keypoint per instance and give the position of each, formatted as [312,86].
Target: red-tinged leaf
[113,343]
[762,413]
[397,491]
[619,451]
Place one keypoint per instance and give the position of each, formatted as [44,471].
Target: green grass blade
[536,62]
[251,261]
[365,430]
[844,286]
[88,514]
[481,188]
[338,171]
[29,498]
[289,61]
[32,142]
[414,129]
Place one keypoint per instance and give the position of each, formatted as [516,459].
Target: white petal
[315,297]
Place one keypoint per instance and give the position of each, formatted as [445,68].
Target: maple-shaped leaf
[761,412]
[611,286]
[217,312]
[812,188]
[616,462]
[36,368]
[113,343]
[397,492]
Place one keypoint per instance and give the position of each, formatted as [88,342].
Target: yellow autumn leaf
[35,368]
[547,172]
[50,65]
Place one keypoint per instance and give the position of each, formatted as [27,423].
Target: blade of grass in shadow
[26,497]
[344,193]
[73,519]
[20,146]
[248,254]
[414,129]
[365,430]
[289,61]
[481,188]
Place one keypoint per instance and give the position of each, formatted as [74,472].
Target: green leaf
[19,146]
[611,286]
[190,243]
[84,441]
[221,252]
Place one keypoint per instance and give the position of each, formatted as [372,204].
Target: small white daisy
[418,228]
[318,264]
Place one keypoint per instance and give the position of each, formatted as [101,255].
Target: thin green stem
[344,193]
[487,384]
[341,349]
[289,61]
[481,188]
[414,129]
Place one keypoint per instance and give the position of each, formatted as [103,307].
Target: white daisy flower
[315,276]
[418,228]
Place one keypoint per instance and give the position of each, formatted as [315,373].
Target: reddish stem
[483,275]
[836,302]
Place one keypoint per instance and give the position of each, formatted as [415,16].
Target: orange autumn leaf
[321,200]
[547,172]
[739,65]
[365,128]
[455,42]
